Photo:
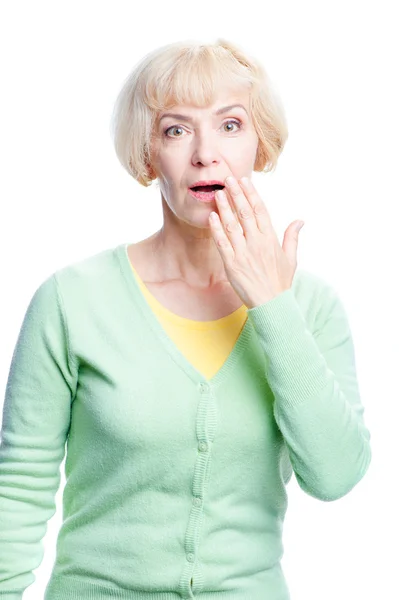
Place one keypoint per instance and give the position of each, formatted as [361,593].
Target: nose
[206,150]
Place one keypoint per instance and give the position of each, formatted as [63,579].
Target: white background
[64,196]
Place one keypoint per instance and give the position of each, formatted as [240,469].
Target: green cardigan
[175,484]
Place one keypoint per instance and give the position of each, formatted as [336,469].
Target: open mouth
[206,193]
[207,188]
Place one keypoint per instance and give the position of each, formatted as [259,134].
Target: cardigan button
[204,387]
[190,557]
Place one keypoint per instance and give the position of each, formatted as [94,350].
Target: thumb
[290,241]
[299,225]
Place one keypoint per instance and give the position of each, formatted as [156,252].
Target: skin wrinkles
[204,149]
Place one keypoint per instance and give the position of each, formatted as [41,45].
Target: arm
[317,403]
[36,420]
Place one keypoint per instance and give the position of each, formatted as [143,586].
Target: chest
[183,300]
[195,304]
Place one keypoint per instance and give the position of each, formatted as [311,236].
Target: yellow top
[205,344]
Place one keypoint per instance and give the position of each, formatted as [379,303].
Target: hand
[257,267]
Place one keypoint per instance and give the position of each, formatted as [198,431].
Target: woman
[190,373]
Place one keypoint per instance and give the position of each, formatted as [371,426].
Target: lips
[207,185]
[206,190]
[203,196]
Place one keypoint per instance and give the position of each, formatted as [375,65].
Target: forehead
[223,99]
[189,113]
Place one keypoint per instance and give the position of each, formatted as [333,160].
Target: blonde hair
[192,72]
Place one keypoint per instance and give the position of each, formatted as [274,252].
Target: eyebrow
[217,112]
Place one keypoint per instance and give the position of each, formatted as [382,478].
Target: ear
[151,172]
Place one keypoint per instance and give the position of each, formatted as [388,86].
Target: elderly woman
[190,373]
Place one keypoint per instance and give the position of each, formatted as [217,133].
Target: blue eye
[236,122]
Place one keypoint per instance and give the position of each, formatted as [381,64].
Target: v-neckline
[169,345]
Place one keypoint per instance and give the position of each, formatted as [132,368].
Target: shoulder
[316,296]
[90,279]
[307,283]
[88,268]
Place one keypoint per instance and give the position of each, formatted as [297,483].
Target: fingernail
[299,225]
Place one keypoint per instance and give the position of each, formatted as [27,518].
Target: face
[202,146]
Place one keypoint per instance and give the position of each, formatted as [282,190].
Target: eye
[238,123]
[233,121]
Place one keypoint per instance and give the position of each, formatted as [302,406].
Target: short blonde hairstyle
[190,72]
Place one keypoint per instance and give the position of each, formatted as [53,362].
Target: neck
[187,253]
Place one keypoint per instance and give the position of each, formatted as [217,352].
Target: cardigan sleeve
[35,424]
[317,405]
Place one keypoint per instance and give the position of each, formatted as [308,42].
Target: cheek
[250,150]
[242,153]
